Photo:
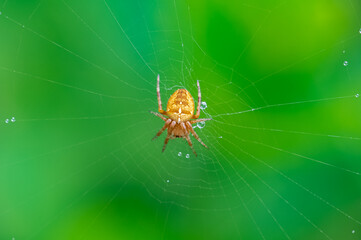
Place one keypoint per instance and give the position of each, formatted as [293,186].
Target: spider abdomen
[180,107]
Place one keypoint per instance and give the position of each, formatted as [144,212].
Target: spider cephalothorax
[179,115]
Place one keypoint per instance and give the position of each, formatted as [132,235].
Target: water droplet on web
[343,51]
[167,180]
[7,120]
[359,31]
[353,231]
[203,105]
[179,154]
[13,119]
[0,13]
[345,63]
[220,137]
[253,109]
[187,156]
[357,95]
[182,45]
[23,26]
[201,124]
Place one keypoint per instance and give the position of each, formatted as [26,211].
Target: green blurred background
[79,77]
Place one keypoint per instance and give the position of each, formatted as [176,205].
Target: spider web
[76,94]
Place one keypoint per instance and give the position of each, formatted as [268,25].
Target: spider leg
[184,127]
[159,101]
[159,115]
[190,144]
[163,128]
[200,120]
[199,101]
[195,134]
[173,123]
[171,128]
[166,142]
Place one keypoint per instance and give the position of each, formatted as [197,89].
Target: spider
[180,109]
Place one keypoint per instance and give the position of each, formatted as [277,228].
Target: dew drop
[252,109]
[203,105]
[13,119]
[23,26]
[201,124]
[359,31]
[220,137]
[179,154]
[343,51]
[167,180]
[345,63]
[182,45]
[353,231]
[357,95]
[7,120]
[187,156]
[0,13]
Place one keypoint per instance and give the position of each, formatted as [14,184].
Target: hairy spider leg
[159,115]
[163,128]
[159,101]
[184,127]
[169,135]
[190,143]
[199,102]
[195,134]
[200,120]
[166,142]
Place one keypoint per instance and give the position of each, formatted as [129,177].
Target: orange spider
[180,109]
